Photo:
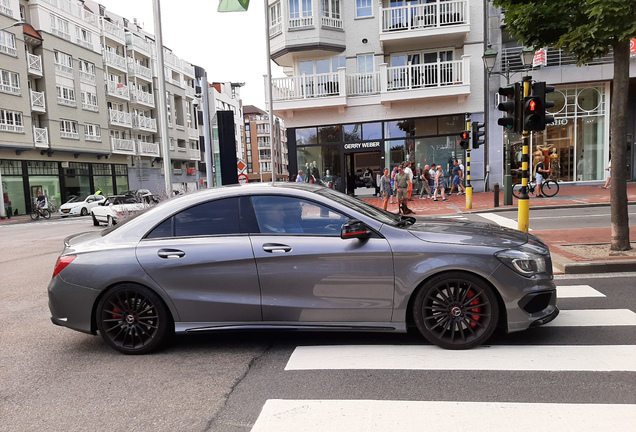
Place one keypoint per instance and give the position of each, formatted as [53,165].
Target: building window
[364,8]
[65,95]
[300,13]
[63,63]
[7,44]
[11,121]
[22,13]
[87,71]
[275,20]
[68,129]
[331,9]
[9,82]
[60,27]
[92,132]
[89,101]
[5,8]
[83,37]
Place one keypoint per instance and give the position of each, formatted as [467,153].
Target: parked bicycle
[549,188]
[38,212]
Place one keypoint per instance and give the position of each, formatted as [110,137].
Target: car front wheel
[456,311]
[133,319]
[84,211]
[95,221]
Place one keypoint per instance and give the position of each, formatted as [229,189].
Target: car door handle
[276,248]
[170,253]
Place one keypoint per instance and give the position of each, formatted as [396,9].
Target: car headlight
[523,260]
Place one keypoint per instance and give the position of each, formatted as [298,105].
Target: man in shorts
[402,181]
[458,175]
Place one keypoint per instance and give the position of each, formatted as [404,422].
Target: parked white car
[80,205]
[115,208]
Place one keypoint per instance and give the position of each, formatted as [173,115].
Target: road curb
[599,267]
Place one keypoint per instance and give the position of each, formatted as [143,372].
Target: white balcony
[94,138]
[114,60]
[11,127]
[66,101]
[90,107]
[69,135]
[112,31]
[195,154]
[145,123]
[119,118]
[64,70]
[193,133]
[118,90]
[138,44]
[306,86]
[300,22]
[148,149]
[189,91]
[41,137]
[140,71]
[10,88]
[87,77]
[35,64]
[38,103]
[122,146]
[141,97]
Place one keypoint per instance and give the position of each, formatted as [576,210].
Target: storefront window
[13,190]
[77,179]
[353,132]
[447,125]
[398,129]
[371,131]
[320,164]
[306,136]
[329,134]
[48,185]
[396,149]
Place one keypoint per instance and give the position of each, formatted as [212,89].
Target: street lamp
[2,209]
[490,59]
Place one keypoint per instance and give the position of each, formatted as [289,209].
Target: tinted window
[210,218]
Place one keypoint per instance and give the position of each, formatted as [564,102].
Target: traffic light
[539,90]
[478,134]
[532,109]
[464,140]
[512,107]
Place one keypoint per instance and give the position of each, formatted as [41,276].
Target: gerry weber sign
[354,146]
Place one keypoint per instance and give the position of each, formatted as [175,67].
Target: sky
[230,46]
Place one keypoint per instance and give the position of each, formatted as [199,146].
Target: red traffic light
[464,135]
[532,105]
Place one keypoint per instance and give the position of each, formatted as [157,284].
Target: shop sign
[559,122]
[354,146]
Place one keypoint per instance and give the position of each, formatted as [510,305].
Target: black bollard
[496,190]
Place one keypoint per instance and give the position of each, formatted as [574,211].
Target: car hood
[70,205]
[468,233]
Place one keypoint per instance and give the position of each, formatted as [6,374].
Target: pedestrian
[440,185]
[426,181]
[457,175]
[540,171]
[386,191]
[402,181]
[609,175]
[299,177]
[409,172]
[393,187]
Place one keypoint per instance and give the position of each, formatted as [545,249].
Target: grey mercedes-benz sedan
[297,256]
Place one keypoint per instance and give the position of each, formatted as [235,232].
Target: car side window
[289,215]
[210,218]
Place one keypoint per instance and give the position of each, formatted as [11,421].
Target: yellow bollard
[469,198]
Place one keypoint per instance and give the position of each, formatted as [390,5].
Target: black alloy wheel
[456,311]
[133,319]
[84,212]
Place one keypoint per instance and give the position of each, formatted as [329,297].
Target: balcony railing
[139,70]
[331,22]
[193,133]
[119,118]
[35,64]
[145,123]
[10,88]
[87,77]
[111,30]
[142,97]
[138,44]
[419,16]
[69,135]
[94,138]
[363,84]
[306,86]
[276,28]
[11,127]
[66,101]
[148,149]
[41,137]
[511,59]
[122,146]
[425,75]
[115,60]
[38,102]
[118,90]
[76,10]
[62,69]
[298,22]
[90,107]
[61,33]
[195,154]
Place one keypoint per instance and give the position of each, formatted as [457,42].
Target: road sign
[240,166]
[242,178]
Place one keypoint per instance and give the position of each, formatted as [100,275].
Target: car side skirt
[192,327]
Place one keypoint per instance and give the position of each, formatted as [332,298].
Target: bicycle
[549,188]
[36,212]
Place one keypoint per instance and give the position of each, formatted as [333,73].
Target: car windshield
[362,207]
[78,199]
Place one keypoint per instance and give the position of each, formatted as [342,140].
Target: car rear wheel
[133,319]
[456,311]
[84,212]
[110,221]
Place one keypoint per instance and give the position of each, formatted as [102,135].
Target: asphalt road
[55,379]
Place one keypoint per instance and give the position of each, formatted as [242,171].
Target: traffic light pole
[523,211]
[469,187]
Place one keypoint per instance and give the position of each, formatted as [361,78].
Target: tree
[588,29]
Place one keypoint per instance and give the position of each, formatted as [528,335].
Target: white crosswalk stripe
[283,415]
[385,416]
[500,220]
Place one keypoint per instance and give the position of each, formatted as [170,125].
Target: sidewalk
[564,259]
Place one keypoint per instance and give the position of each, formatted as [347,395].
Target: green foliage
[587,29]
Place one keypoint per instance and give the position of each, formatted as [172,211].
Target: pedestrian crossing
[370,415]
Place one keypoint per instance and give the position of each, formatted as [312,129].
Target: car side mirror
[354,229]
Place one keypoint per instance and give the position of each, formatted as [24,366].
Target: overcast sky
[229,46]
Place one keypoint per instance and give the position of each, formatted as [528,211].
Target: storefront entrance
[362,170]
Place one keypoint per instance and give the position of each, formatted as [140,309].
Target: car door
[204,263]
[311,274]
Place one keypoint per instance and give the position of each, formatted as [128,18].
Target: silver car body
[246,280]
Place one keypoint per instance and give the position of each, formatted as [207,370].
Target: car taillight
[61,263]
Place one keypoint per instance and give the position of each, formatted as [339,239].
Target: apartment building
[78,103]
[259,148]
[373,83]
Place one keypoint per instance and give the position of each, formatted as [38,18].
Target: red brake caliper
[471,294]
